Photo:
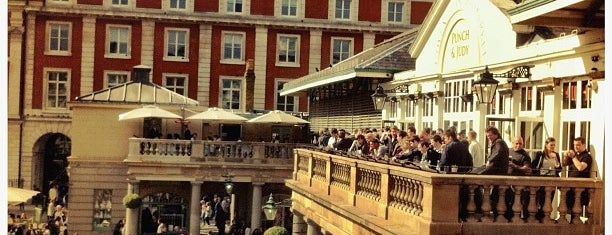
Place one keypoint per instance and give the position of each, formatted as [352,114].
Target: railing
[437,203]
[171,150]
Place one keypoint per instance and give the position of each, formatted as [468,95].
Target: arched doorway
[51,152]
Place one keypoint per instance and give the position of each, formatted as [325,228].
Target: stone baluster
[471,205]
[464,198]
[479,196]
[570,205]
[521,202]
[510,200]
[562,205]
[419,197]
[548,204]
[404,194]
[411,196]
[486,202]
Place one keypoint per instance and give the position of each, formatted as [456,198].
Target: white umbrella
[17,196]
[277,116]
[217,114]
[147,111]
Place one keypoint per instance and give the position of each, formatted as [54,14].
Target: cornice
[218,18]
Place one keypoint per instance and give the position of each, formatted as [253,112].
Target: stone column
[256,206]
[194,215]
[131,215]
[313,228]
[299,226]
[249,76]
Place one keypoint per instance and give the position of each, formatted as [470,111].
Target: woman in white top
[547,161]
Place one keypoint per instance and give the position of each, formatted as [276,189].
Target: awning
[380,61]
[137,93]
[559,13]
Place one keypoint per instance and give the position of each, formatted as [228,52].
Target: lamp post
[379,98]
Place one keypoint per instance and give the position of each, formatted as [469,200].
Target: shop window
[102,209]
[573,129]
[577,95]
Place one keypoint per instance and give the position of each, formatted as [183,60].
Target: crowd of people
[455,151]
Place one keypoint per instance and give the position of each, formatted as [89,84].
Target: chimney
[141,73]
[249,76]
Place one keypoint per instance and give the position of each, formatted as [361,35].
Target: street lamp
[229,186]
[379,98]
[270,209]
[485,87]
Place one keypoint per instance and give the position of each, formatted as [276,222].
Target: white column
[232,208]
[87,55]
[314,61]
[368,40]
[313,228]
[261,50]
[256,206]
[205,51]
[299,226]
[194,215]
[146,45]
[131,215]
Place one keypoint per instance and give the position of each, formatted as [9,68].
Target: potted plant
[132,200]
[276,230]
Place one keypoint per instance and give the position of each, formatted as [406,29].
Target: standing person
[520,162]
[118,230]
[220,215]
[497,162]
[475,149]
[579,159]
[547,161]
[455,153]
[53,193]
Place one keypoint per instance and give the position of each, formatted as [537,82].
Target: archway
[50,164]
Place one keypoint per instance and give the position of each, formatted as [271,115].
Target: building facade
[550,71]
[63,49]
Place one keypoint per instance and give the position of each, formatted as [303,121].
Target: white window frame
[60,2]
[288,4]
[232,60]
[226,4]
[108,73]
[279,48]
[109,4]
[240,90]
[46,73]
[350,52]
[48,50]
[128,53]
[353,10]
[295,98]
[385,11]
[167,6]
[173,87]
[184,58]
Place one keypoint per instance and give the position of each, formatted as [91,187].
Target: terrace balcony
[345,195]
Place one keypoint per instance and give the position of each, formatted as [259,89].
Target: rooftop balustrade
[350,195]
[176,151]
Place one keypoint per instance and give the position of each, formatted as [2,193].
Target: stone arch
[34,135]
[49,162]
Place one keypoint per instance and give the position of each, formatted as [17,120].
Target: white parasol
[147,111]
[217,114]
[277,116]
[17,196]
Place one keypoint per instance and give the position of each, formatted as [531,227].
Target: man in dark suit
[455,153]
[220,215]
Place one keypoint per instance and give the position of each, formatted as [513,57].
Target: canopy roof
[380,61]
[137,93]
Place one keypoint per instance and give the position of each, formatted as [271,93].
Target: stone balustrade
[172,150]
[391,199]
